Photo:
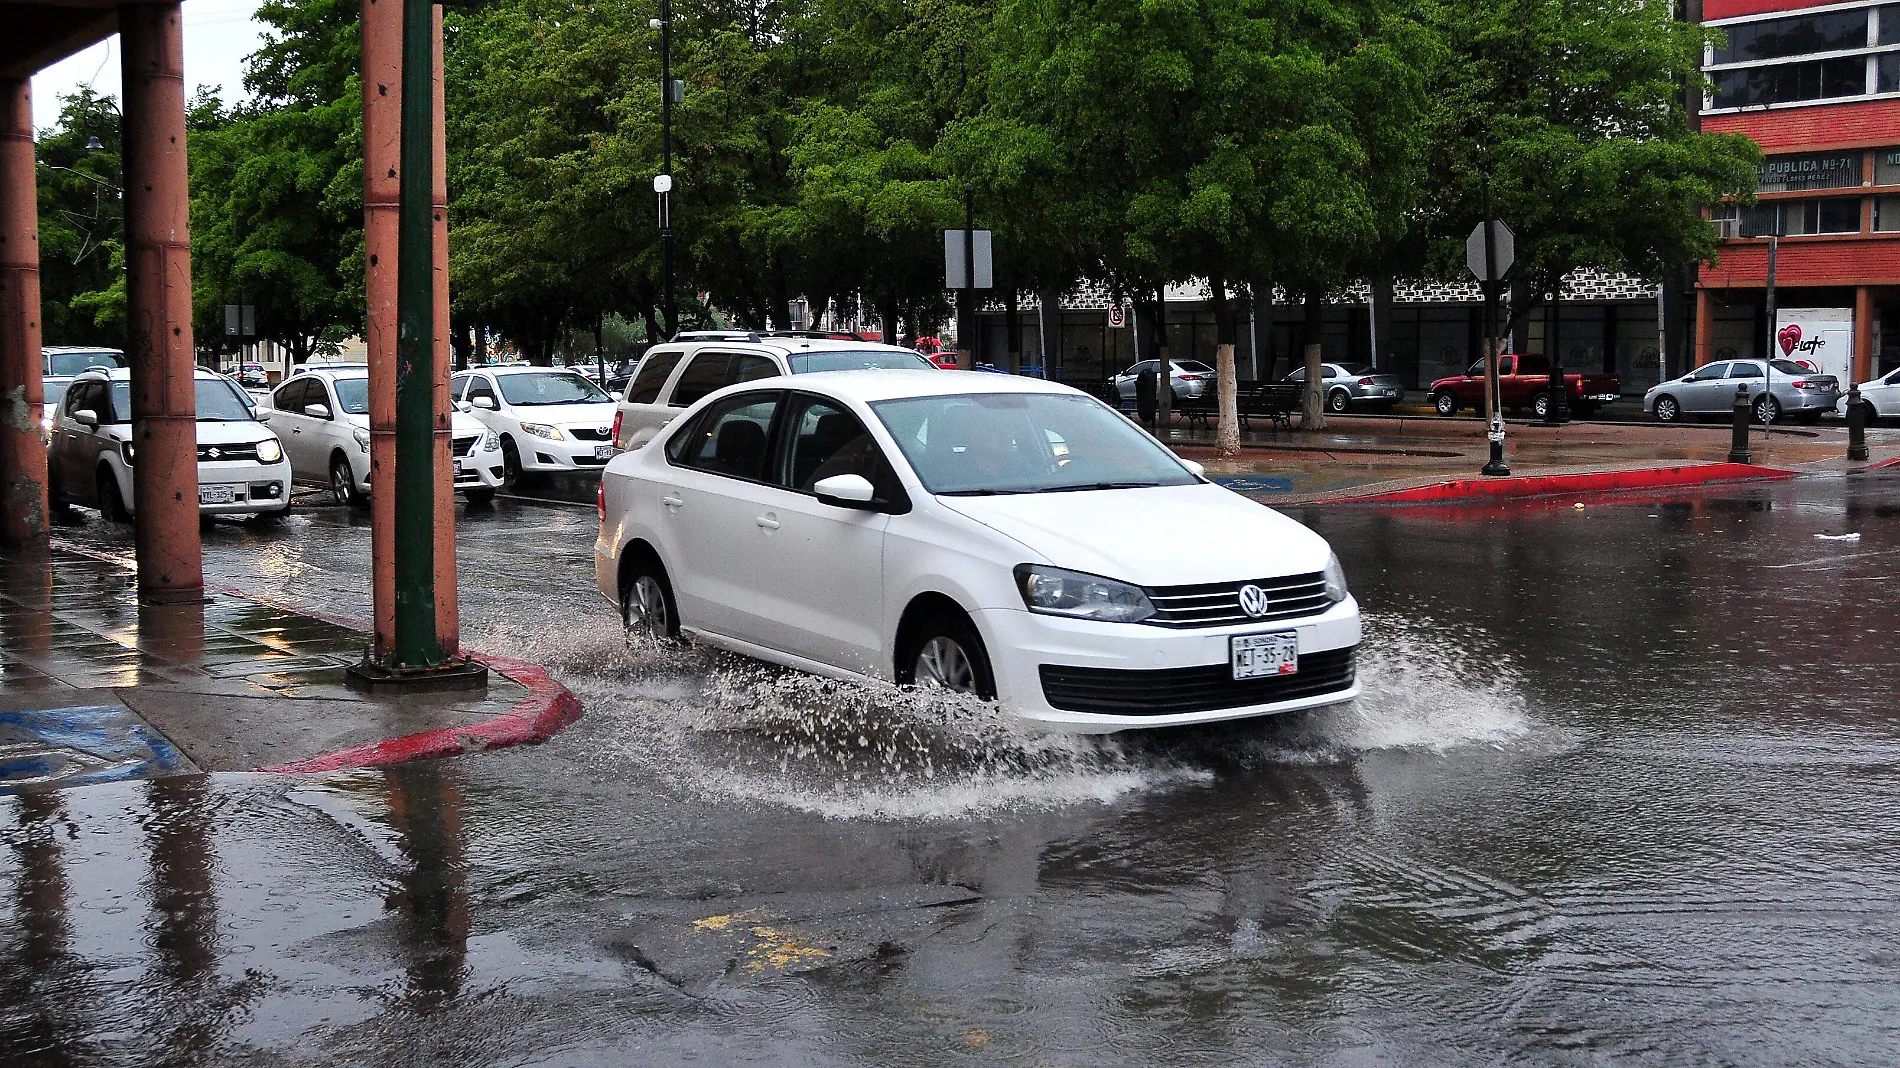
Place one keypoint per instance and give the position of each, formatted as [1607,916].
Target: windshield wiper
[1098,486]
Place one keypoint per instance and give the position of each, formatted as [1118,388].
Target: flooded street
[1621,789]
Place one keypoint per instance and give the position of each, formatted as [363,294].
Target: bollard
[1856,425]
[1738,446]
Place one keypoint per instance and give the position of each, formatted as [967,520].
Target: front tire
[1444,403]
[343,482]
[1338,402]
[479,498]
[111,501]
[946,653]
[1667,409]
[647,608]
[510,463]
[1540,405]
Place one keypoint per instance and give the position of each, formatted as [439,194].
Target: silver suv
[674,375]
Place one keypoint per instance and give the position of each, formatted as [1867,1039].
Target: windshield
[218,402]
[561,387]
[1193,367]
[353,395]
[1354,370]
[67,364]
[804,363]
[984,443]
[1789,367]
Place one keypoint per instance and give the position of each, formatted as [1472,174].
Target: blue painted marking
[1255,484]
[81,746]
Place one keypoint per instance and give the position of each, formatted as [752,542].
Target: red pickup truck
[1523,381]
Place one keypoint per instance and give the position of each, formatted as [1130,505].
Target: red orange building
[1817,85]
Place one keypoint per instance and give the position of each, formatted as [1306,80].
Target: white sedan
[996,535]
[547,418]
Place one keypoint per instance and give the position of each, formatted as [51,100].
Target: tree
[82,225]
[1574,109]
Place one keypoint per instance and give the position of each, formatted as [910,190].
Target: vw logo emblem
[1254,600]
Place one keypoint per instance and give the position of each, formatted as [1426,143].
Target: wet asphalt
[1622,789]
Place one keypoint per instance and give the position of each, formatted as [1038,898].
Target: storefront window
[1887,213]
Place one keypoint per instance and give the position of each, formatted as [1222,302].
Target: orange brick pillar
[1704,327]
[22,450]
[1863,334]
[158,304]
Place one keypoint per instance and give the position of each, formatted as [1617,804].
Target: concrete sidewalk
[229,684]
[1362,456]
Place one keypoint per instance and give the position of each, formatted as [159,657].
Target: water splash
[730,726]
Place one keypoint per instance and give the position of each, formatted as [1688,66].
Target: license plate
[217,494]
[458,468]
[1257,656]
[603,452]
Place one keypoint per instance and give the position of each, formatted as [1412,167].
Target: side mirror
[464,406]
[845,491]
[262,414]
[1199,469]
[86,419]
[317,411]
[486,404]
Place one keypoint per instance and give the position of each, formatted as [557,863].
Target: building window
[1787,83]
[1887,166]
[1887,69]
[1887,213]
[1792,218]
[1803,35]
[1889,31]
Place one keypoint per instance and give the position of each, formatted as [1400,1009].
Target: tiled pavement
[232,683]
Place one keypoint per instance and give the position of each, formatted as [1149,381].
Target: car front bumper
[480,469]
[252,487]
[567,454]
[1020,643]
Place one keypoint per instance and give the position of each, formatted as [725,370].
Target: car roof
[124,374]
[783,346]
[523,369]
[898,383]
[49,350]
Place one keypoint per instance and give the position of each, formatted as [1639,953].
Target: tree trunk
[1312,408]
[481,344]
[888,317]
[1262,324]
[1227,424]
[1164,366]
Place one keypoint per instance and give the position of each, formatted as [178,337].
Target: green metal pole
[415,646]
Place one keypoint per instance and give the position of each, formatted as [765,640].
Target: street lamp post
[663,183]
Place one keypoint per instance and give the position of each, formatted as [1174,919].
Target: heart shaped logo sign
[1789,337]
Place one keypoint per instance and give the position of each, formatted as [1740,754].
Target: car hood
[235,432]
[1165,536]
[590,416]
[460,425]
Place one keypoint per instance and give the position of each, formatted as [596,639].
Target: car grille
[1218,604]
[242,451]
[464,446]
[1173,691]
[591,434]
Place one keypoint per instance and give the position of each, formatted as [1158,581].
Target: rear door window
[733,438]
[645,387]
[747,368]
[1741,369]
[705,373]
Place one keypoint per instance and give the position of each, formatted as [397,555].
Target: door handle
[671,501]
[767,522]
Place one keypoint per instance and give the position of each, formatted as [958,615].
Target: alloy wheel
[1767,410]
[342,482]
[646,609]
[942,664]
[1338,402]
[1446,404]
[1667,409]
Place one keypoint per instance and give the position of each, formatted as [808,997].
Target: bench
[1276,401]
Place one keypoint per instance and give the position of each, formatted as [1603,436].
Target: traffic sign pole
[1489,252]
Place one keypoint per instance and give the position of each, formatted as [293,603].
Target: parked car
[60,363]
[1344,387]
[994,535]
[241,464]
[1881,395]
[1524,382]
[674,376]
[322,416]
[1796,392]
[1191,378]
[943,361]
[253,375]
[547,419]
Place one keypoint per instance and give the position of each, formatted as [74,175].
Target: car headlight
[1335,579]
[541,430]
[125,450]
[362,438]
[270,450]
[1055,591]
[489,443]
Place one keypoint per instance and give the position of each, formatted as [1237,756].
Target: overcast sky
[218,35]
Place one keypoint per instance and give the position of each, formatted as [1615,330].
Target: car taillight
[1189,377]
[1802,383]
[600,499]
[1365,381]
[618,415]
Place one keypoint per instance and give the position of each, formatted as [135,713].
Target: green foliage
[82,226]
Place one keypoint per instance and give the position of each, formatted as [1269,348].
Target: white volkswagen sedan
[1001,536]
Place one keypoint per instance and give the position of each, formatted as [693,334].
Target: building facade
[1817,85]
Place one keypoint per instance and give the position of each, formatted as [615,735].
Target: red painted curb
[1881,464]
[1464,489]
[548,707]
